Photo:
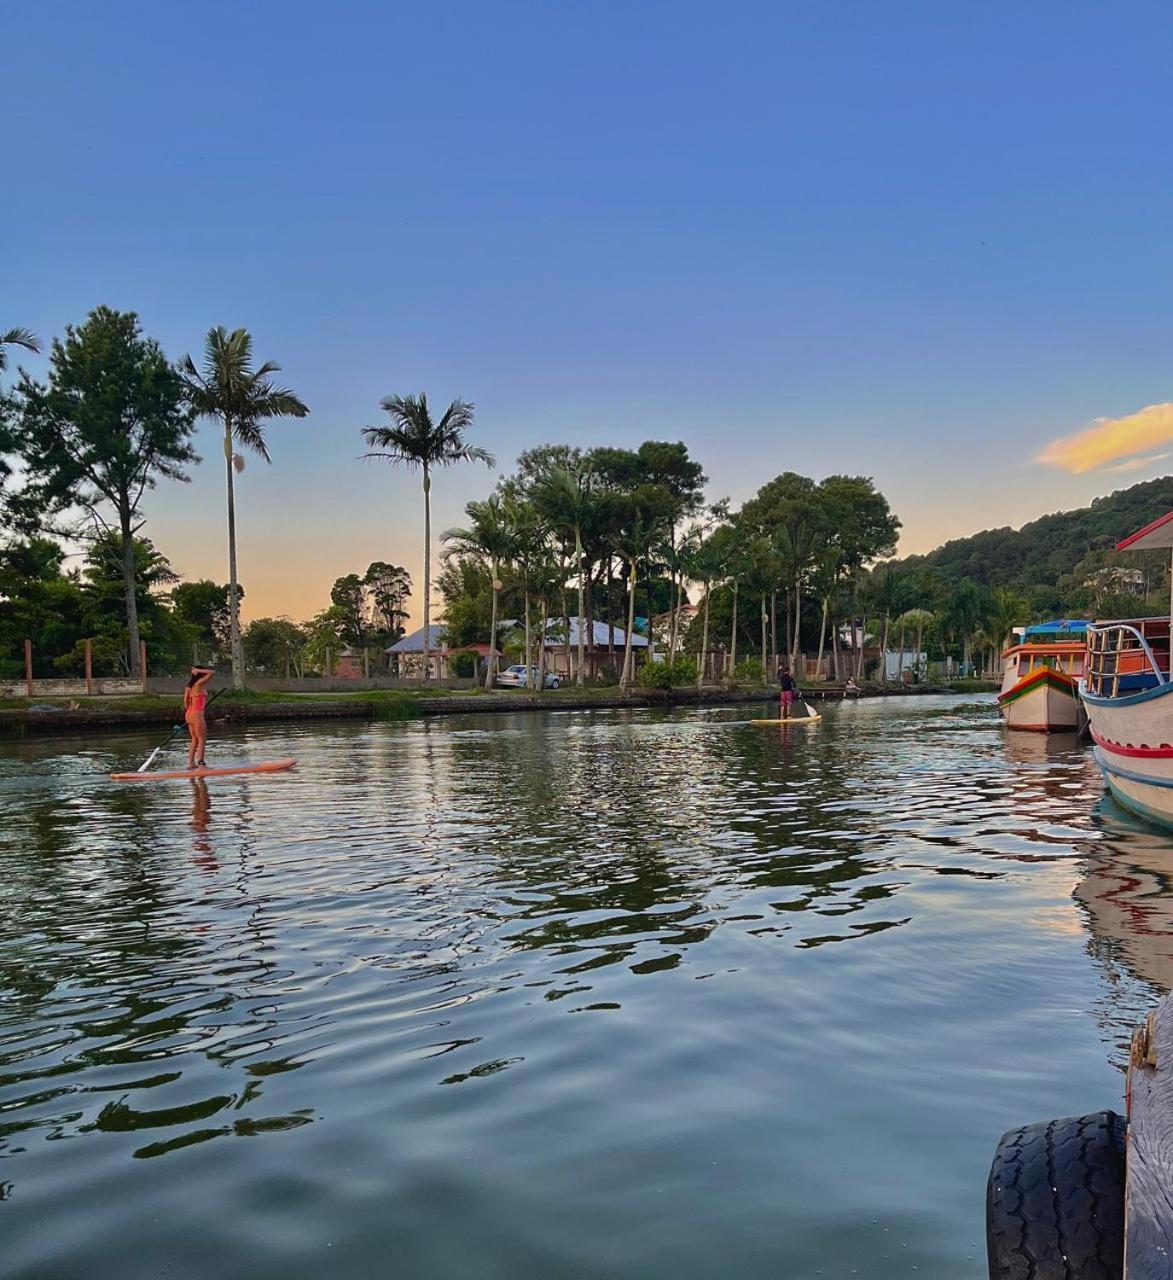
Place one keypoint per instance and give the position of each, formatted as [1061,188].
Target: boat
[1040,677]
[1127,693]
[226,771]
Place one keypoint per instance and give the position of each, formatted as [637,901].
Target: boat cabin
[1127,656]
[1055,646]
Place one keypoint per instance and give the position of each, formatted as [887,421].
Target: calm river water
[610,994]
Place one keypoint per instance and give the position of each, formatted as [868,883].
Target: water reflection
[674,961]
[201,822]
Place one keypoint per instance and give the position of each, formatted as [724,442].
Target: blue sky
[914,240]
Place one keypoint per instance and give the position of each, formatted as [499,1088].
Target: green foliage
[348,596]
[668,675]
[464,665]
[388,591]
[656,675]
[684,672]
[203,606]
[1037,556]
[749,671]
[110,421]
[273,646]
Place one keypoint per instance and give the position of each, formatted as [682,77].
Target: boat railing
[1116,650]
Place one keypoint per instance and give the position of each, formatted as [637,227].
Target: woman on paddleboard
[195,699]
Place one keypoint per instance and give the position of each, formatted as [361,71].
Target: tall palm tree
[918,618]
[486,538]
[228,388]
[17,337]
[824,579]
[414,439]
[1006,610]
[563,497]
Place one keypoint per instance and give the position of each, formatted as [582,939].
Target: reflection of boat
[1129,901]
[1128,696]
[1039,677]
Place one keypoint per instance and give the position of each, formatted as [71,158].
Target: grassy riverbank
[36,715]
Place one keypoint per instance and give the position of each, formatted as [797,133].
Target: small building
[406,656]
[598,654]
[350,665]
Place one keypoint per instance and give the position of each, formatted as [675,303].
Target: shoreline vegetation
[579,563]
[24,716]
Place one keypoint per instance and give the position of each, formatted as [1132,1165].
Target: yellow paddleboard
[792,720]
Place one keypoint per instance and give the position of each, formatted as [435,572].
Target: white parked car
[514,678]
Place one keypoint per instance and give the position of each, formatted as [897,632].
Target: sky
[924,242]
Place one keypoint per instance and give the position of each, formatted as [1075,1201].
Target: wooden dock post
[89,666]
[1148,1240]
[28,665]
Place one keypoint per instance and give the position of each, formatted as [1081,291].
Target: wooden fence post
[89,666]
[28,665]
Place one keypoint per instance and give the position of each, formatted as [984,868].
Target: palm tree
[563,497]
[824,580]
[918,618]
[1007,609]
[414,439]
[228,388]
[17,338]
[488,539]
[965,612]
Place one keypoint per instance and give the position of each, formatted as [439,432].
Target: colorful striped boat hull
[1043,702]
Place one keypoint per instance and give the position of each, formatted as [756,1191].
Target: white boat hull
[1134,749]
[1041,703]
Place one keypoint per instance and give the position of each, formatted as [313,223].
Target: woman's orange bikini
[195,699]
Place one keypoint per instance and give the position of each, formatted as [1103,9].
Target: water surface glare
[603,994]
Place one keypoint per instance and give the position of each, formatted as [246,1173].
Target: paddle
[809,709]
[146,764]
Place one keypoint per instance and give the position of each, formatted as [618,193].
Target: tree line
[113,418]
[611,536]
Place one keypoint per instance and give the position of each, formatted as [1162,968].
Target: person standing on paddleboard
[789,688]
[195,699]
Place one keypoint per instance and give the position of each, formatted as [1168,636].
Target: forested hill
[1047,549]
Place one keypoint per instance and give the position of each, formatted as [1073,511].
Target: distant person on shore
[851,687]
[195,699]
[789,688]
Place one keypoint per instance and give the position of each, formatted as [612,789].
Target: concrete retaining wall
[53,688]
[335,684]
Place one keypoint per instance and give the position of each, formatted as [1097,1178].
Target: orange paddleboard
[265,766]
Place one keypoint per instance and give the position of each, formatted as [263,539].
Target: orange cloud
[1108,440]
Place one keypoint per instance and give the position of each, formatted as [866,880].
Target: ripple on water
[591,994]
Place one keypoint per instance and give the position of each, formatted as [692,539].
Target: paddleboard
[792,720]
[265,766]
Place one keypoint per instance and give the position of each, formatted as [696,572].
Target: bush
[749,671]
[656,675]
[684,671]
[668,675]
[464,665]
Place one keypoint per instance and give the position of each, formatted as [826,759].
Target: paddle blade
[809,709]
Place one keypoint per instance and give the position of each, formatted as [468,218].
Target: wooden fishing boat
[1040,677]
[1128,696]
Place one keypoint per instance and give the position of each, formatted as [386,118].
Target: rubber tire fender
[1055,1201]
